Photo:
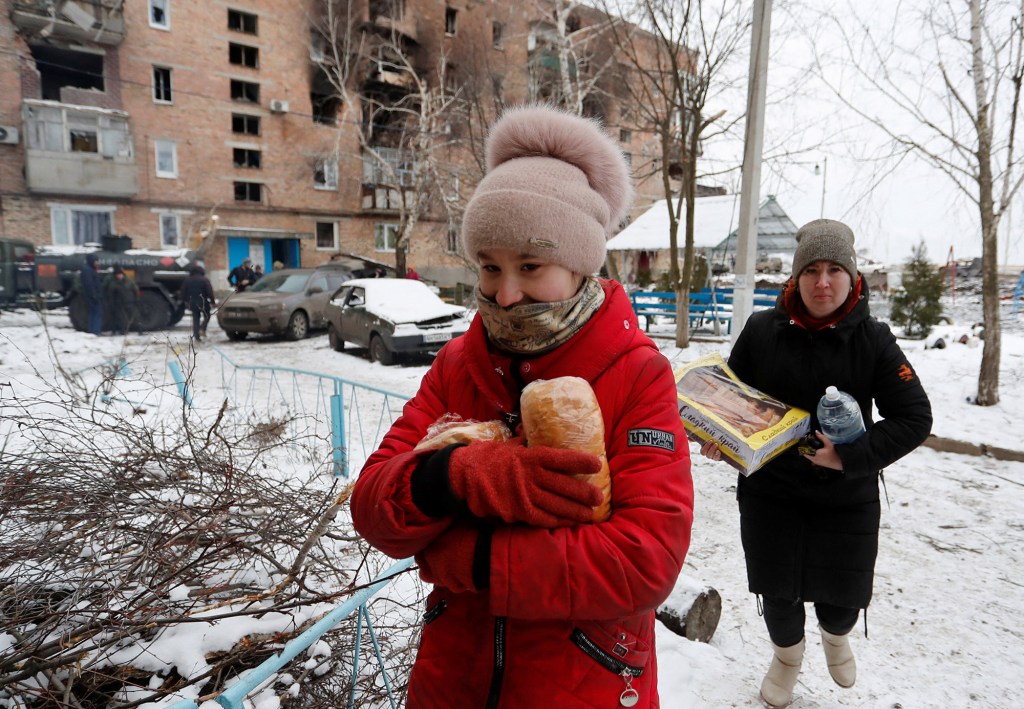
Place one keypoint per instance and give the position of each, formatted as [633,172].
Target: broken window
[159,14]
[325,174]
[248,192]
[242,21]
[66,68]
[451,16]
[242,123]
[245,91]
[327,235]
[162,92]
[496,29]
[393,9]
[243,55]
[247,157]
[325,108]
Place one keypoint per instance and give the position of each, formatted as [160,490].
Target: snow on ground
[945,625]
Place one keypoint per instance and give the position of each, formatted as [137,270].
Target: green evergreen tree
[916,307]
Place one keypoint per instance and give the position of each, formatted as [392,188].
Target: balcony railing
[99,21]
[78,150]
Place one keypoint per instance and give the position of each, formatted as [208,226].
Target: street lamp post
[823,171]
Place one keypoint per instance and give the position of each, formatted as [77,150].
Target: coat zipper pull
[629,696]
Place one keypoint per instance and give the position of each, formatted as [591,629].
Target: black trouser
[785,619]
[200,319]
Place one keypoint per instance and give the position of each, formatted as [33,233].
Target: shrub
[916,307]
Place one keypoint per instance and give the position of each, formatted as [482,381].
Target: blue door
[238,251]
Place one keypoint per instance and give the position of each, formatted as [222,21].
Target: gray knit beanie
[556,187]
[825,240]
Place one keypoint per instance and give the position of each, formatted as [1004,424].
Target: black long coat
[809,533]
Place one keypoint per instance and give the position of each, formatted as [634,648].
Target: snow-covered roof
[716,219]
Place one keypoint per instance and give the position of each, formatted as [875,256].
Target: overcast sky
[891,205]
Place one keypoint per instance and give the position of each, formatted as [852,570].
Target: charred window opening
[60,68]
[451,21]
[393,9]
[325,102]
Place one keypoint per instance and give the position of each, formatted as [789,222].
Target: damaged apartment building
[281,132]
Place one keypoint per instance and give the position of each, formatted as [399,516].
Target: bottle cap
[831,393]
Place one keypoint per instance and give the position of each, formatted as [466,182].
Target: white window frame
[164,5]
[334,245]
[67,238]
[329,168]
[161,143]
[170,85]
[390,234]
[175,218]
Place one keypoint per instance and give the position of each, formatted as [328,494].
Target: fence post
[179,379]
[338,432]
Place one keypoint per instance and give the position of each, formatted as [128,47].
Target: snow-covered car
[392,317]
[290,302]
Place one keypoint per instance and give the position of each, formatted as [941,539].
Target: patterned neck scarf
[537,328]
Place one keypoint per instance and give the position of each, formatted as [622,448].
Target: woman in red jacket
[534,604]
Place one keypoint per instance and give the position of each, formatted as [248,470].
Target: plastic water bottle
[839,416]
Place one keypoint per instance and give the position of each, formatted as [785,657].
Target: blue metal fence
[350,418]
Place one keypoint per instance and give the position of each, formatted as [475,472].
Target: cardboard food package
[749,426]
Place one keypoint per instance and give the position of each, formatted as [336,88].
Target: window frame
[68,238]
[334,236]
[243,16]
[245,52]
[247,118]
[176,218]
[159,88]
[451,21]
[328,167]
[249,185]
[385,229]
[247,154]
[165,143]
[165,7]
[242,85]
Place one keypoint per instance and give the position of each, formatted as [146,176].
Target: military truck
[49,277]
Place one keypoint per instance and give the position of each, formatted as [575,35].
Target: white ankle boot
[841,663]
[778,683]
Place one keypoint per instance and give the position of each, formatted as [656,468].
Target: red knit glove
[448,560]
[520,484]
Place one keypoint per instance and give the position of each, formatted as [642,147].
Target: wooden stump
[699,621]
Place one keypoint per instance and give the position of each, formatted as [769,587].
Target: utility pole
[750,186]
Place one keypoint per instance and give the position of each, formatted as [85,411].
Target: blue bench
[706,305]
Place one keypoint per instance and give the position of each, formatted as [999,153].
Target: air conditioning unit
[8,135]
[278,106]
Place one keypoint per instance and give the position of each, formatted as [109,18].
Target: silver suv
[287,302]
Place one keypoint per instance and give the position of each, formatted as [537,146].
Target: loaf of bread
[564,413]
[451,429]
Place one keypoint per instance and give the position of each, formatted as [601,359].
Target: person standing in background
[197,294]
[257,272]
[121,299]
[242,275]
[809,524]
[91,287]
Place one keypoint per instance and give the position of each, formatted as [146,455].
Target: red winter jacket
[569,612]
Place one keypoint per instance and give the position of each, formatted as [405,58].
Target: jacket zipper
[498,670]
[606,660]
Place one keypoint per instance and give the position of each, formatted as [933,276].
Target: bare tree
[952,70]
[399,104]
[677,52]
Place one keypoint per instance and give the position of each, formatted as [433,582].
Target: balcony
[77,150]
[100,21]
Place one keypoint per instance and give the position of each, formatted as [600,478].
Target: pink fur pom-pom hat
[556,187]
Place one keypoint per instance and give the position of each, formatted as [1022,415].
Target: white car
[392,317]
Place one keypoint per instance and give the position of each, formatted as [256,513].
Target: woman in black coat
[809,524]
